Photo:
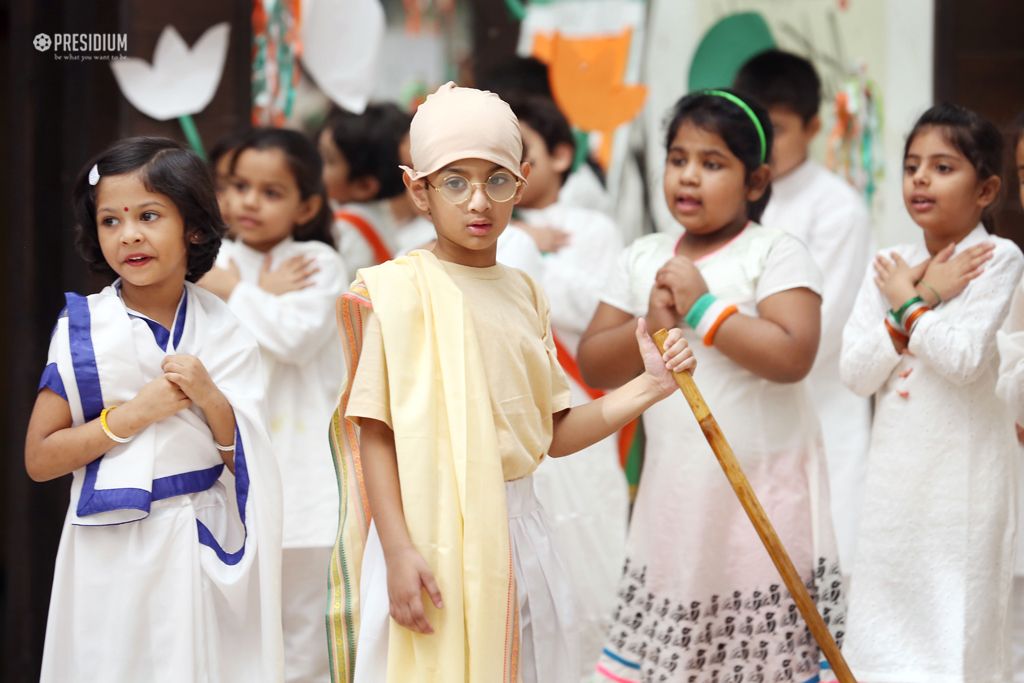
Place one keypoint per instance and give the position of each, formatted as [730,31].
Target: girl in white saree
[169,562]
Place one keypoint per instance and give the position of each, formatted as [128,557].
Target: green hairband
[749,112]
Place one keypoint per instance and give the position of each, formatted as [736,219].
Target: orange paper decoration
[587,81]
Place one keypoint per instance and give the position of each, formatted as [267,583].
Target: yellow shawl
[453,490]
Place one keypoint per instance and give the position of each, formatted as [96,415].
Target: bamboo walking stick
[752,506]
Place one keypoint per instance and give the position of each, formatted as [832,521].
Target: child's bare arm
[54,448]
[581,426]
[780,343]
[408,573]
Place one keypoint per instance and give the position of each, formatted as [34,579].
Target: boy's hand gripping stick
[752,506]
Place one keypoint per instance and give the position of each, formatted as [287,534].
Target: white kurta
[585,190]
[585,496]
[413,235]
[700,599]
[934,565]
[1011,390]
[827,215]
[351,244]
[297,335]
[303,369]
[168,565]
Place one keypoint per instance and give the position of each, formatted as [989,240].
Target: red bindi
[126,209]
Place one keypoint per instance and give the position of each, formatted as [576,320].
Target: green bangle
[898,314]
[699,308]
[938,298]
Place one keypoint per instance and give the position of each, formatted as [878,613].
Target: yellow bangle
[106,427]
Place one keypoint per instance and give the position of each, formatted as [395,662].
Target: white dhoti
[547,613]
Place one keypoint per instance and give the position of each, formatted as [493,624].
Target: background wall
[890,41]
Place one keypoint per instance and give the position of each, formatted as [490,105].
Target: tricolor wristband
[894,322]
[707,315]
[699,308]
[913,317]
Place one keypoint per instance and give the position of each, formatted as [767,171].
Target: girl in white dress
[281,277]
[169,562]
[699,599]
[934,563]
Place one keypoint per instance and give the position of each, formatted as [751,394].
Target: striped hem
[612,677]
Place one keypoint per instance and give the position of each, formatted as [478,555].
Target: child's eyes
[109,221]
[499,179]
[455,183]
[150,216]
[677,161]
[272,194]
[944,168]
[240,186]
[909,168]
[712,165]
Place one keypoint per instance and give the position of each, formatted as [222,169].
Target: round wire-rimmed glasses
[500,187]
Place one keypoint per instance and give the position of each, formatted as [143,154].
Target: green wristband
[938,298]
[898,314]
[699,308]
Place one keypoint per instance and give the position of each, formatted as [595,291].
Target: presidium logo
[83,46]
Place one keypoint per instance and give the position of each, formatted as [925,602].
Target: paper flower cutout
[340,46]
[180,81]
[587,81]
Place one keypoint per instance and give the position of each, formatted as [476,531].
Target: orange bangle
[894,334]
[913,318]
[710,336]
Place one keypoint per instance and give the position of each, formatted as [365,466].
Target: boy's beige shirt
[525,381]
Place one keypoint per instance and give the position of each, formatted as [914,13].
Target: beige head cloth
[463,123]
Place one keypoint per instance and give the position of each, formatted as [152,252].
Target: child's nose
[478,199]
[131,233]
[690,173]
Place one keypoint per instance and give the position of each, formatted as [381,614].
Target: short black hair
[163,166]
[729,121]
[306,166]
[517,76]
[972,135]
[370,141]
[781,79]
[544,116]
[224,145]
[1018,133]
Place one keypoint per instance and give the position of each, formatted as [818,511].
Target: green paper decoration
[725,47]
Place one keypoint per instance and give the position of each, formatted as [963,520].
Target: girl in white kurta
[934,565]
[282,286]
[169,562]
[1011,390]
[700,599]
